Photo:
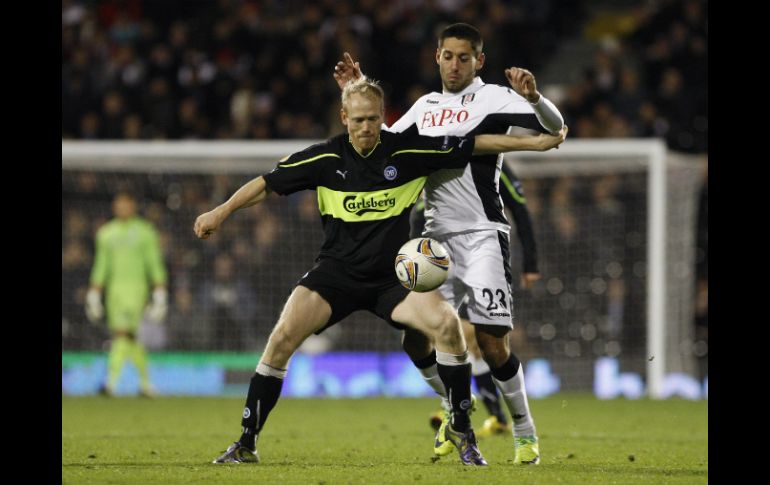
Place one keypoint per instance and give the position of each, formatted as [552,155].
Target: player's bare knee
[493,343]
[439,315]
[447,327]
[494,351]
[282,342]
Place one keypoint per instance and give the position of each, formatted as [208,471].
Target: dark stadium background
[240,70]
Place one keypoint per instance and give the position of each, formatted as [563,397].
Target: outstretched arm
[490,144]
[346,70]
[250,194]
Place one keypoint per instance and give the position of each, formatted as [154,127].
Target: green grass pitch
[327,441]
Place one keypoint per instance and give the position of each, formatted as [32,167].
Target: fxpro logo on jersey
[361,204]
[443,117]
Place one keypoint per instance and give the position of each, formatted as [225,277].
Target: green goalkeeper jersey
[128,260]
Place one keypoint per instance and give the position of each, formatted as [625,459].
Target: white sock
[515,396]
[430,374]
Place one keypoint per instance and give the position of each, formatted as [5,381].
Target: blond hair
[365,87]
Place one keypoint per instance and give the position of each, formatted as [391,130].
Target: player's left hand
[158,308]
[523,82]
[528,280]
[346,70]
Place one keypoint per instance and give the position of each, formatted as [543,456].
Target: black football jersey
[364,201]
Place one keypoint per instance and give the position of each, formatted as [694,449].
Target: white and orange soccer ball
[422,264]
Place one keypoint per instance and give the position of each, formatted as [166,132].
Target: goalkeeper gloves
[94,307]
[158,308]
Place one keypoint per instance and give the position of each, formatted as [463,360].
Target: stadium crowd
[243,69]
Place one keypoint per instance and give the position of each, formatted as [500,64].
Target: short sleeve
[301,170]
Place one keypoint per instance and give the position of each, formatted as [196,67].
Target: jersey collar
[471,88]
[374,149]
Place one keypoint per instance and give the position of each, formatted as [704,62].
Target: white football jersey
[468,199]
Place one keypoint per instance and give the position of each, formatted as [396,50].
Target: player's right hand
[94,307]
[346,70]
[206,224]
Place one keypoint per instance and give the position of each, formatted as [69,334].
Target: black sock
[425,362]
[249,438]
[489,395]
[457,382]
[263,394]
[509,369]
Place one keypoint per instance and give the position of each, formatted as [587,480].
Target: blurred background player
[128,262]
[512,194]
[463,212]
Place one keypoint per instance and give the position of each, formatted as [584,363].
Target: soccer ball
[422,264]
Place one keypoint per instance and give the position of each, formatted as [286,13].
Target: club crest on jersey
[467,98]
[390,172]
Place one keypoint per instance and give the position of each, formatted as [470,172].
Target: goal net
[615,227]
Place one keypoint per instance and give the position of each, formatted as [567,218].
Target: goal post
[178,156]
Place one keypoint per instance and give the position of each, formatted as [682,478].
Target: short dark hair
[465,32]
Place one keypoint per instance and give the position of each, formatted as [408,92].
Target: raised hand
[346,70]
[523,82]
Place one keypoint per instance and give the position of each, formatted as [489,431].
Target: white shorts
[481,274]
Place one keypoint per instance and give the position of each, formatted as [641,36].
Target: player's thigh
[427,312]
[305,312]
[485,271]
[453,290]
[469,332]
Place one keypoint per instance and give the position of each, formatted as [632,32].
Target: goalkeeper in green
[127,263]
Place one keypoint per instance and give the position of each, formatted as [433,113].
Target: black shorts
[346,293]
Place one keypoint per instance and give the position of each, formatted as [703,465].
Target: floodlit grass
[326,441]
